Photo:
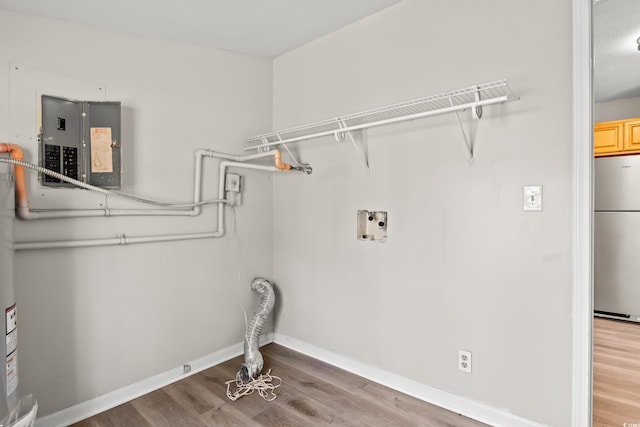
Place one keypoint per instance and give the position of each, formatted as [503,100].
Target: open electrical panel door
[81,140]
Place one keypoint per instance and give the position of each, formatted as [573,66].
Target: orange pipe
[21,188]
[279,163]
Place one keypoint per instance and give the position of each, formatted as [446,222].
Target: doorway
[616,99]
[583,213]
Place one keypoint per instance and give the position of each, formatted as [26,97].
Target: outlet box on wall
[372,225]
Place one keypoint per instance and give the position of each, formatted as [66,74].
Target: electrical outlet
[464,361]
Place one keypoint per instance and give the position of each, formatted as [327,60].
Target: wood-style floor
[616,373]
[312,393]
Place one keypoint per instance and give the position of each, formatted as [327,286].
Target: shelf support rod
[265,145]
[467,142]
[360,145]
[295,160]
[476,112]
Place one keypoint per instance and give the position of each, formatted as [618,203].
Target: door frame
[582,214]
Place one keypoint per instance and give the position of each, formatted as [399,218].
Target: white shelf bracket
[476,113]
[360,143]
[286,147]
[467,142]
[265,145]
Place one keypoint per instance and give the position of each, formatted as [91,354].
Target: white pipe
[106,212]
[112,241]
[223,170]
[22,205]
[237,158]
[61,244]
[25,213]
[124,240]
[227,164]
[28,214]
[197,182]
[204,152]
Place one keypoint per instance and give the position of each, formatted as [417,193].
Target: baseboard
[461,405]
[107,401]
[467,407]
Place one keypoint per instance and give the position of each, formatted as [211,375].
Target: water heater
[14,411]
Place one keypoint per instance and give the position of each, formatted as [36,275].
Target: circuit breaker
[81,140]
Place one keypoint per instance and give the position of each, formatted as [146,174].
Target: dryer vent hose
[253,361]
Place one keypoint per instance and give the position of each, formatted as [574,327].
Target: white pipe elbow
[25,214]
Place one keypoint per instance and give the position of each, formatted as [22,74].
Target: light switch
[532,195]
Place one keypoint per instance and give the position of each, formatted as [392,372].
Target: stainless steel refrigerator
[617,237]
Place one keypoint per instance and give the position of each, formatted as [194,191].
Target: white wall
[621,109]
[464,267]
[94,320]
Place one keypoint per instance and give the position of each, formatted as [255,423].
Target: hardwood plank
[125,415]
[160,409]
[616,373]
[371,392]
[312,393]
[344,402]
[341,406]
[213,409]
[278,416]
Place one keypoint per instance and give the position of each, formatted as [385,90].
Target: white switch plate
[532,195]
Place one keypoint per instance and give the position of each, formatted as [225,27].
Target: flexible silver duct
[253,361]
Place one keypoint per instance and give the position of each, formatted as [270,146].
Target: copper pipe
[279,163]
[21,187]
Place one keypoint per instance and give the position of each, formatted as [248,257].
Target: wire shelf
[474,97]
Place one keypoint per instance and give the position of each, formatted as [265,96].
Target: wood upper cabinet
[632,135]
[607,137]
[616,138]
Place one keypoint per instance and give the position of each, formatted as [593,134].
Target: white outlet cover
[464,361]
[532,197]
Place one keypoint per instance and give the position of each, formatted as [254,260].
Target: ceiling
[272,27]
[616,28]
[259,27]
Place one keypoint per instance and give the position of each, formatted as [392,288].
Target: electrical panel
[81,140]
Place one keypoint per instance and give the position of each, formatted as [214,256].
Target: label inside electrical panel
[101,150]
[12,341]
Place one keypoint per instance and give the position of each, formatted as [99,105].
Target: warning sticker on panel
[101,150]
[11,327]
[12,341]
[12,373]
[11,318]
